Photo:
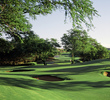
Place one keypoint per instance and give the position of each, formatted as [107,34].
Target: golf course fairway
[83,81]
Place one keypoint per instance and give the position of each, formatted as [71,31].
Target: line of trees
[15,24]
[80,44]
[12,52]
[75,41]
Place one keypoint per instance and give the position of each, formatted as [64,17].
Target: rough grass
[86,82]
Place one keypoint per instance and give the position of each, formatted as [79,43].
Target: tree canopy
[13,12]
[33,48]
[93,50]
[80,44]
[73,41]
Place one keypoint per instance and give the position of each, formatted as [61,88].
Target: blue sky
[53,26]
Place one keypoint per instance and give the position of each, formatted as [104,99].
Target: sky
[53,25]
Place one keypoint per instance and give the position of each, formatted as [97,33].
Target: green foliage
[5,46]
[13,13]
[47,49]
[15,51]
[73,41]
[93,50]
[80,44]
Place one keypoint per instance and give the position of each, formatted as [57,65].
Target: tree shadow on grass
[68,86]
[77,64]
[81,70]
[63,70]
[77,85]
[17,82]
[48,66]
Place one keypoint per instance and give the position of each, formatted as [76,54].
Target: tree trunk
[72,61]
[44,62]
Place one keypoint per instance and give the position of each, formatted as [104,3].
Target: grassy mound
[86,82]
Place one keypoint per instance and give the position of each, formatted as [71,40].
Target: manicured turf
[82,82]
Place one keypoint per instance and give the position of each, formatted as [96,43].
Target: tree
[93,50]
[54,42]
[5,46]
[47,49]
[34,45]
[73,41]
[15,51]
[13,13]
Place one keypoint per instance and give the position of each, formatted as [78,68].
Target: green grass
[64,58]
[85,82]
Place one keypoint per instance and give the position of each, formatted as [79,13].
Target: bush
[93,53]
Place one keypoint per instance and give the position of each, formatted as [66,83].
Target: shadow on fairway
[77,64]
[49,66]
[69,71]
[21,70]
[80,70]
[69,86]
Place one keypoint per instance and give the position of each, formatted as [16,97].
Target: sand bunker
[106,74]
[49,78]
[22,70]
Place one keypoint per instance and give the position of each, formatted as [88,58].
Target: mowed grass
[64,58]
[83,81]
